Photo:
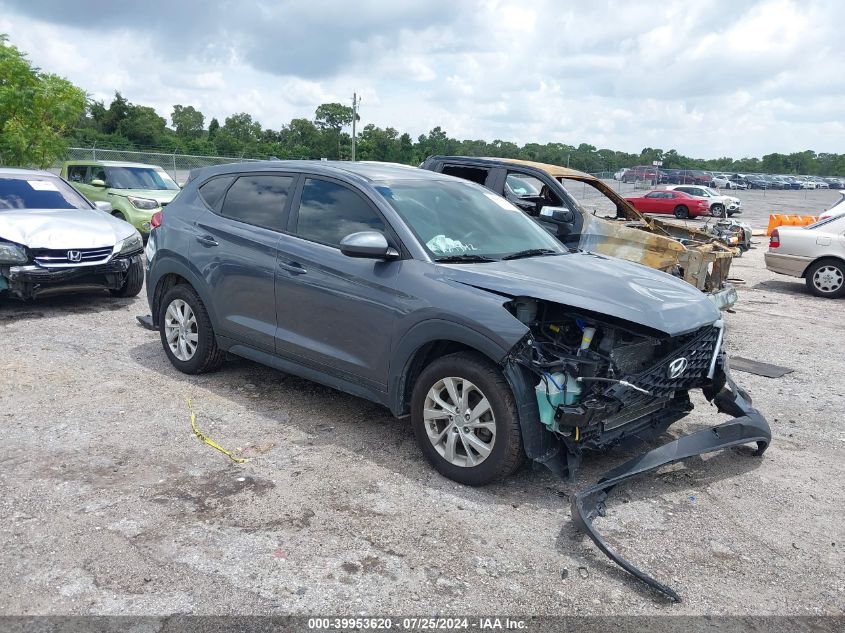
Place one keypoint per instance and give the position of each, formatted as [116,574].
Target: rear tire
[681,212]
[449,442]
[826,278]
[133,282]
[200,353]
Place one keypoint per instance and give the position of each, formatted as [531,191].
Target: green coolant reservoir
[553,390]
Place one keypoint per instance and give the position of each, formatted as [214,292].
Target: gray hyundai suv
[440,300]
[434,297]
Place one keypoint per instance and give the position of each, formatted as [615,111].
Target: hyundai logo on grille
[677,367]
[74,256]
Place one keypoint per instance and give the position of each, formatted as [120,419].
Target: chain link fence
[177,165]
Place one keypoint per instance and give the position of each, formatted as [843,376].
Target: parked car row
[655,176]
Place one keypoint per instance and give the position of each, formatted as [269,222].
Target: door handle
[292,267]
[206,240]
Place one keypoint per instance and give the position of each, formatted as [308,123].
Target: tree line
[42,114]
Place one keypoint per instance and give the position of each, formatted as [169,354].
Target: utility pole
[355,102]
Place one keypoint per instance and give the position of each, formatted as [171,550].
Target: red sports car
[676,203]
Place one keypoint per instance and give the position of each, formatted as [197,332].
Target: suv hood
[605,285]
[159,195]
[62,228]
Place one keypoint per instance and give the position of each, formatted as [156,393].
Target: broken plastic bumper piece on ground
[747,426]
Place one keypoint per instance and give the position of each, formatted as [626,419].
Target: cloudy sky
[706,77]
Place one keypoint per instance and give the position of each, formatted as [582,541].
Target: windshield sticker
[442,245]
[387,192]
[42,185]
[501,202]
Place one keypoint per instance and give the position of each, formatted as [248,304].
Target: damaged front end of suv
[600,380]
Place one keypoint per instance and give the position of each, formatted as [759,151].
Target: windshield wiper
[459,259]
[531,252]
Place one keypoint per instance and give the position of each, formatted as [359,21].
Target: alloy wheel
[180,329]
[459,422]
[828,279]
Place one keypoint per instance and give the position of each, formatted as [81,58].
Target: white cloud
[717,77]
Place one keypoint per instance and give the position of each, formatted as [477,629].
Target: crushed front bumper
[748,425]
[725,298]
[30,280]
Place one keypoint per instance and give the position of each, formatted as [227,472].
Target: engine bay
[597,380]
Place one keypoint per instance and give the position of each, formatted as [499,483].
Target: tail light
[774,239]
[156,220]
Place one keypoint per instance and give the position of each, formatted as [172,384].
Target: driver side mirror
[97,183]
[102,205]
[367,245]
[560,215]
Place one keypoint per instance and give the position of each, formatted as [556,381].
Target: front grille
[697,348]
[71,257]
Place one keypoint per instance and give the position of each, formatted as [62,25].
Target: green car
[136,191]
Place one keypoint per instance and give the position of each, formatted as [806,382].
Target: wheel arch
[426,342]
[433,339]
[823,258]
[171,274]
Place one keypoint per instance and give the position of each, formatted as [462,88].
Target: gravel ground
[112,506]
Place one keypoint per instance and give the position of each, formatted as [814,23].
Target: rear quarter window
[259,200]
[212,191]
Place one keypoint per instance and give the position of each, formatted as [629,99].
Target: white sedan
[52,239]
[836,209]
[723,181]
[815,252]
[718,203]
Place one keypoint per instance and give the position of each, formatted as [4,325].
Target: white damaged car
[719,204]
[53,240]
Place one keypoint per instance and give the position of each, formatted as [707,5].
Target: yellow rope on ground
[209,441]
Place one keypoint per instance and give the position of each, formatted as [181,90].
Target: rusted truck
[543,191]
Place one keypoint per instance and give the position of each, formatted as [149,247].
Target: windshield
[462,219]
[711,193]
[139,178]
[38,192]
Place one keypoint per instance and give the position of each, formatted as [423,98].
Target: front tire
[465,420]
[681,212]
[133,282]
[186,332]
[717,210]
[826,278]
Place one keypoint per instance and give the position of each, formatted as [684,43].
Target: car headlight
[146,204]
[12,254]
[132,244]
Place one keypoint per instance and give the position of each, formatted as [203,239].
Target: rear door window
[258,200]
[473,174]
[328,212]
[76,173]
